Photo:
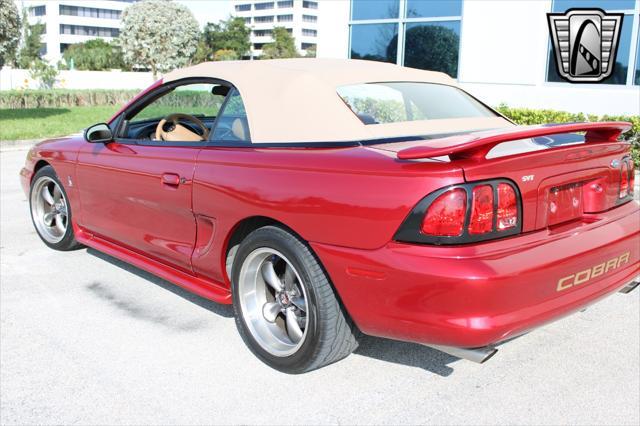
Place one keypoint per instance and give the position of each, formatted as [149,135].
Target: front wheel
[286,309]
[50,211]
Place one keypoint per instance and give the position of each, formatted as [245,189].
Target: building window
[432,9]
[262,19]
[247,20]
[243,7]
[432,46]
[258,46]
[263,6]
[262,33]
[309,33]
[90,12]
[622,72]
[306,46]
[375,42]
[309,18]
[637,79]
[430,33]
[85,30]
[285,18]
[284,4]
[37,11]
[375,9]
[310,4]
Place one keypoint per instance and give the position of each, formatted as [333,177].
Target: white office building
[299,17]
[498,50]
[74,21]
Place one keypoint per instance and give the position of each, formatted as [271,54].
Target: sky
[208,10]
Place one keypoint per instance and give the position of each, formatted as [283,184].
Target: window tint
[192,99]
[608,5]
[376,103]
[433,46]
[232,124]
[433,8]
[374,9]
[376,42]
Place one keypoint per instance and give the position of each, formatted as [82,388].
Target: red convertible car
[325,198]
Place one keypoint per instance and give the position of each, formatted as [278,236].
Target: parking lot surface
[88,339]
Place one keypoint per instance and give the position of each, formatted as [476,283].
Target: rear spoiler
[476,145]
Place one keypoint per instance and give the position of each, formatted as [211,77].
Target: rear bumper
[478,295]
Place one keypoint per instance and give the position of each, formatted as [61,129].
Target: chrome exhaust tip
[478,355]
[630,286]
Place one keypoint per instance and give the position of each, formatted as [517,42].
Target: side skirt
[204,288]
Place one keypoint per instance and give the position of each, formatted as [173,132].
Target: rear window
[377,103]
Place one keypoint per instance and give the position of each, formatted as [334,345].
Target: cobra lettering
[591,273]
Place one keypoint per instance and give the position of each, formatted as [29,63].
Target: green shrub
[59,98]
[526,116]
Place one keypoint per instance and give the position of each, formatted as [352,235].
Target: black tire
[68,241]
[331,334]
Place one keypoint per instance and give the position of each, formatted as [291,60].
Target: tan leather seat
[240,129]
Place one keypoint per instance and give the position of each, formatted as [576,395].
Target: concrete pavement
[88,339]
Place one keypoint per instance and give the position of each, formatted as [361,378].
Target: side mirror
[98,133]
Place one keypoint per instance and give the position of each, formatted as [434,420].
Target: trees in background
[283,45]
[9,31]
[219,39]
[94,55]
[158,34]
[31,43]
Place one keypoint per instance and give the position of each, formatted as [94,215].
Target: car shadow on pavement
[409,354]
[222,310]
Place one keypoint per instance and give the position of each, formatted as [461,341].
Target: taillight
[446,214]
[624,180]
[507,207]
[481,220]
[465,213]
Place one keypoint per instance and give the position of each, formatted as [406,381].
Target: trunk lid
[563,178]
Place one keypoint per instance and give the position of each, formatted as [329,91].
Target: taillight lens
[481,210]
[445,216]
[464,213]
[624,180]
[507,215]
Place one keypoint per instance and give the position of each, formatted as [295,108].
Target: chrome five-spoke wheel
[274,301]
[49,209]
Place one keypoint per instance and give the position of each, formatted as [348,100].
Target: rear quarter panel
[352,197]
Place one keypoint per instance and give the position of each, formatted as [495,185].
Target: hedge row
[56,98]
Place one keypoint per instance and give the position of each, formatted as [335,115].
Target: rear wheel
[50,210]
[286,309]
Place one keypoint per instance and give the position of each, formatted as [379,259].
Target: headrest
[240,129]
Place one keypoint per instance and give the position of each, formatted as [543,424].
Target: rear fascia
[480,294]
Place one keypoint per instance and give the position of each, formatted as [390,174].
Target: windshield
[376,103]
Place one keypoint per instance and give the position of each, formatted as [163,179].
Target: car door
[137,192]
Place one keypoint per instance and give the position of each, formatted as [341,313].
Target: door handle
[171,179]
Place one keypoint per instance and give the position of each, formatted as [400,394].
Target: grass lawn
[39,123]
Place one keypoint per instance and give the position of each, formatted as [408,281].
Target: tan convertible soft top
[295,100]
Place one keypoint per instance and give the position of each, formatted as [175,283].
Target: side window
[193,107]
[200,100]
[232,124]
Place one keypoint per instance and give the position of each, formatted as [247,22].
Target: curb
[19,145]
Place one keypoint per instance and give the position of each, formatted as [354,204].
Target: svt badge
[585,43]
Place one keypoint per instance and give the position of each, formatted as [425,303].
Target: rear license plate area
[564,203]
